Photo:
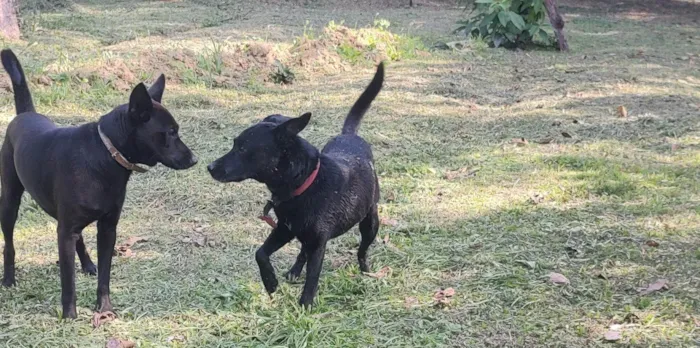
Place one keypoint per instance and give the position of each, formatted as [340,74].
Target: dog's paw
[292,276]
[306,302]
[271,285]
[90,269]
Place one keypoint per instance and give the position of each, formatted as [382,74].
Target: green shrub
[507,23]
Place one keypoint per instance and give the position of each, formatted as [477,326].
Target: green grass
[473,210]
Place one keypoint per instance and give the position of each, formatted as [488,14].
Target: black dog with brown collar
[78,175]
[316,195]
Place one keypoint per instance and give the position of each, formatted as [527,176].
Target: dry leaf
[652,243]
[124,249]
[621,111]
[443,297]
[544,141]
[101,318]
[612,335]
[556,123]
[117,343]
[388,222]
[661,284]
[133,240]
[557,278]
[385,271]
[460,173]
[175,338]
[519,141]
[410,302]
[566,135]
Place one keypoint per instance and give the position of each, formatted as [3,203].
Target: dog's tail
[352,121]
[23,99]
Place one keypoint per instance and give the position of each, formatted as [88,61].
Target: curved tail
[23,99]
[352,121]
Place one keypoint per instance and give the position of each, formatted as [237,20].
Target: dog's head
[263,151]
[155,136]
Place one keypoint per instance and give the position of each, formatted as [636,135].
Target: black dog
[78,175]
[316,196]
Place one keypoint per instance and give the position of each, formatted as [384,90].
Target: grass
[473,210]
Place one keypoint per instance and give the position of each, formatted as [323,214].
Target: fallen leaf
[566,135]
[382,273]
[544,141]
[386,239]
[443,297]
[117,343]
[519,141]
[101,318]
[460,173]
[175,338]
[388,222]
[557,278]
[410,302]
[125,248]
[612,336]
[133,240]
[621,111]
[652,243]
[556,123]
[575,121]
[661,284]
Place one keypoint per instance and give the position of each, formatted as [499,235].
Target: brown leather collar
[118,155]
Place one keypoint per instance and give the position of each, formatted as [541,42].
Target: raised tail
[23,99]
[352,121]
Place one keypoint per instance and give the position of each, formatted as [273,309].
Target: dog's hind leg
[368,228]
[85,262]
[295,271]
[10,198]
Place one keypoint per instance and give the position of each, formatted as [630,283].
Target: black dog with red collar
[343,190]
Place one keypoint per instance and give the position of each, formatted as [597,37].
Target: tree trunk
[9,26]
[557,23]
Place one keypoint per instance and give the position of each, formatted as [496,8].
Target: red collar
[308,182]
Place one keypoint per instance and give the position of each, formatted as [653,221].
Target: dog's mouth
[183,162]
[220,174]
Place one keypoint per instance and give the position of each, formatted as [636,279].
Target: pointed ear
[294,125]
[157,89]
[140,104]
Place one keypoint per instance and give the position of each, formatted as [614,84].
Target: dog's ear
[294,125]
[157,89]
[140,104]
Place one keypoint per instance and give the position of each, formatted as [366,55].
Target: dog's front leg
[67,237]
[313,271]
[277,239]
[106,238]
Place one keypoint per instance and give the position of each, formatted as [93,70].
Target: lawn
[497,168]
